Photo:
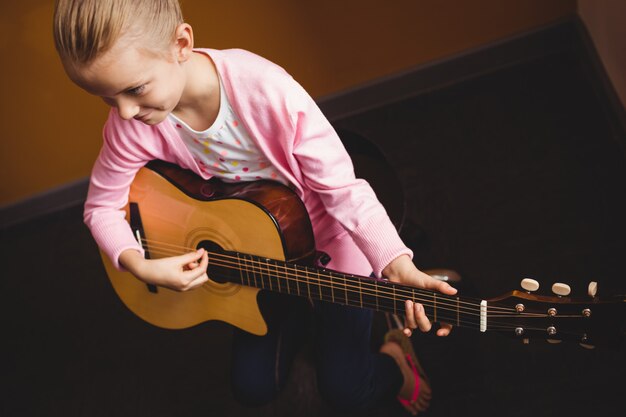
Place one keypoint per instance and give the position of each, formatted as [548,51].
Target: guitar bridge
[137,226]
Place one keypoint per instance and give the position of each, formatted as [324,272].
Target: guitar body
[180,212]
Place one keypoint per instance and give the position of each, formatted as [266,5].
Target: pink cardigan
[348,221]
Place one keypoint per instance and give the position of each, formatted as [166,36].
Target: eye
[136,90]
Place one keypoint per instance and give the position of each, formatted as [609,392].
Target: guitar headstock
[590,320]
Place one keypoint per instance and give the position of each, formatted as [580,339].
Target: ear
[183,43]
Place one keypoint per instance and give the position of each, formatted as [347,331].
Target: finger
[443,332]
[201,263]
[197,276]
[197,281]
[192,265]
[445,329]
[443,287]
[430,283]
[409,316]
[420,317]
[198,268]
[191,257]
[204,262]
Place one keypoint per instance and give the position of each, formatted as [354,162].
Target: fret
[291,278]
[265,278]
[258,274]
[240,269]
[395,305]
[308,282]
[360,293]
[284,277]
[280,285]
[271,275]
[458,318]
[253,272]
[332,290]
[245,270]
[339,290]
[368,294]
[386,300]
[297,275]
[435,306]
[319,285]
[354,290]
[376,295]
[269,278]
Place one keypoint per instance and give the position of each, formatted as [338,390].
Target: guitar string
[236,260]
[457,321]
[441,301]
[320,283]
[492,323]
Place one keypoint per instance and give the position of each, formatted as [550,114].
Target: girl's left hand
[403,271]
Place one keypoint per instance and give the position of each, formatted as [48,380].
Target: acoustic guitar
[258,237]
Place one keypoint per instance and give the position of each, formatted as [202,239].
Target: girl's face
[141,85]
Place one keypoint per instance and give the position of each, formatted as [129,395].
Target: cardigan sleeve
[111,176]
[327,169]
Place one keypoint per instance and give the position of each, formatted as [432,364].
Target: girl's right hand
[178,273]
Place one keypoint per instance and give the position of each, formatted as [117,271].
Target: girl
[237,116]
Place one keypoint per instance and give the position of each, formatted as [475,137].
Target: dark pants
[349,375]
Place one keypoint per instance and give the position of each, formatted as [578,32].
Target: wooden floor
[519,173]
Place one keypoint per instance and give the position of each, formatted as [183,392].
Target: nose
[127,108]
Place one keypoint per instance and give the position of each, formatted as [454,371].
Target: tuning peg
[592,289]
[583,342]
[529,284]
[561,289]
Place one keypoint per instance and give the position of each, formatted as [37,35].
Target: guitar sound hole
[214,271]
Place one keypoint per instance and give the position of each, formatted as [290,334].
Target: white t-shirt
[225,149]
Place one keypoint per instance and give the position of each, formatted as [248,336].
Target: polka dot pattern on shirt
[226,149]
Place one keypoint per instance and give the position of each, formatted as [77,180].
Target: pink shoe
[398,337]
[416,390]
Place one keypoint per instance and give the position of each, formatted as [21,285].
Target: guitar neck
[336,287]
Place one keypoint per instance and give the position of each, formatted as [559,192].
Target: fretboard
[336,287]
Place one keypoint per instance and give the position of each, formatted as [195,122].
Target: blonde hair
[84,29]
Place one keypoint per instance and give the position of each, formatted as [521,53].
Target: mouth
[142,117]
